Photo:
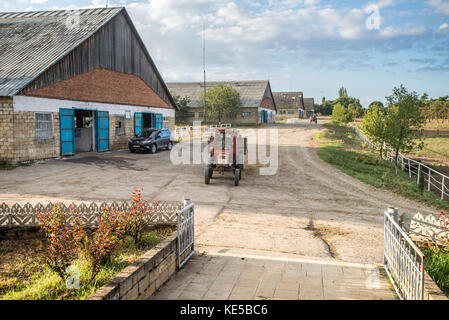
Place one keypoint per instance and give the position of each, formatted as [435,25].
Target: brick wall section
[102,85]
[120,142]
[142,278]
[6,129]
[267,103]
[26,146]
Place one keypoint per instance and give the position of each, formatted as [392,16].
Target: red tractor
[227,154]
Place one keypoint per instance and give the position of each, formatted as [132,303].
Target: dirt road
[307,209]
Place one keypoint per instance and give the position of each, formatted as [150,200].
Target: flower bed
[25,275]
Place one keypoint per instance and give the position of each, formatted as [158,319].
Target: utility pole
[107,3]
[204,71]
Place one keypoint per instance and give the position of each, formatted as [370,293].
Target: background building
[73,81]
[258,105]
[309,106]
[289,104]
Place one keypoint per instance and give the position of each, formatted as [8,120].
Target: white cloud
[443,29]
[439,6]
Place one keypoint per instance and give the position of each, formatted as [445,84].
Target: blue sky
[299,45]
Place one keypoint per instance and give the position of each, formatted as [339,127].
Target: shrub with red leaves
[137,217]
[63,239]
[105,239]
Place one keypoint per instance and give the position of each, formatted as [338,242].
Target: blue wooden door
[138,119]
[67,124]
[157,120]
[102,130]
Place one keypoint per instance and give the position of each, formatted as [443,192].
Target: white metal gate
[186,232]
[403,261]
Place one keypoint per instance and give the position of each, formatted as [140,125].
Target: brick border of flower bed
[431,289]
[142,278]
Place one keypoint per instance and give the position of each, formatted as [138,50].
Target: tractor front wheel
[236,177]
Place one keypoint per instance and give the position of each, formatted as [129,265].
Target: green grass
[435,147]
[437,265]
[341,148]
[25,275]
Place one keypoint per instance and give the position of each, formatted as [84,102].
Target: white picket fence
[434,180]
[183,132]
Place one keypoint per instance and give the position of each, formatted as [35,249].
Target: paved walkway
[224,277]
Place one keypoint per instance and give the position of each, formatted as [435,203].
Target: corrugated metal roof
[31,42]
[309,104]
[251,92]
[288,100]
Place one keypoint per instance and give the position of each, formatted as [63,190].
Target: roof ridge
[32,13]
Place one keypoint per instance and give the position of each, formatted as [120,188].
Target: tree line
[347,107]
[435,109]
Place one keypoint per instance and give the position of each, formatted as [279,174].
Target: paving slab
[262,278]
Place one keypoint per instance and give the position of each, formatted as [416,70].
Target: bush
[105,239]
[63,240]
[341,115]
[137,218]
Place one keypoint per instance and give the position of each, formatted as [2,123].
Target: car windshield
[146,134]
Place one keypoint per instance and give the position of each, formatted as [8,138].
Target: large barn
[75,81]
[258,105]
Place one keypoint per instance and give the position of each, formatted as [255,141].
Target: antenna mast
[204,71]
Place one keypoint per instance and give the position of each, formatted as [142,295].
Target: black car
[151,140]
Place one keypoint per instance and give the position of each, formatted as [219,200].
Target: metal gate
[186,232]
[403,261]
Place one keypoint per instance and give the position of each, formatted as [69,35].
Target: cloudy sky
[314,46]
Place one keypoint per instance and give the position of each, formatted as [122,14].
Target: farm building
[75,81]
[289,104]
[258,105]
[309,106]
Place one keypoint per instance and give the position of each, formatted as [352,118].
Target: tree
[222,102]
[182,103]
[376,103]
[341,115]
[404,121]
[374,124]
[342,92]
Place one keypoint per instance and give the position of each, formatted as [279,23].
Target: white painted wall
[35,104]
[259,109]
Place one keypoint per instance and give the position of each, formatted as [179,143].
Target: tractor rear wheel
[236,177]
[207,175]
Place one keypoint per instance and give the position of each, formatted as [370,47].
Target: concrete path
[228,277]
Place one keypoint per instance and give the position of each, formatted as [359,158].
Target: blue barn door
[102,130]
[67,122]
[157,120]
[138,119]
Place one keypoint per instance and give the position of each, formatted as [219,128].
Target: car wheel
[153,148]
[169,146]
[236,177]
